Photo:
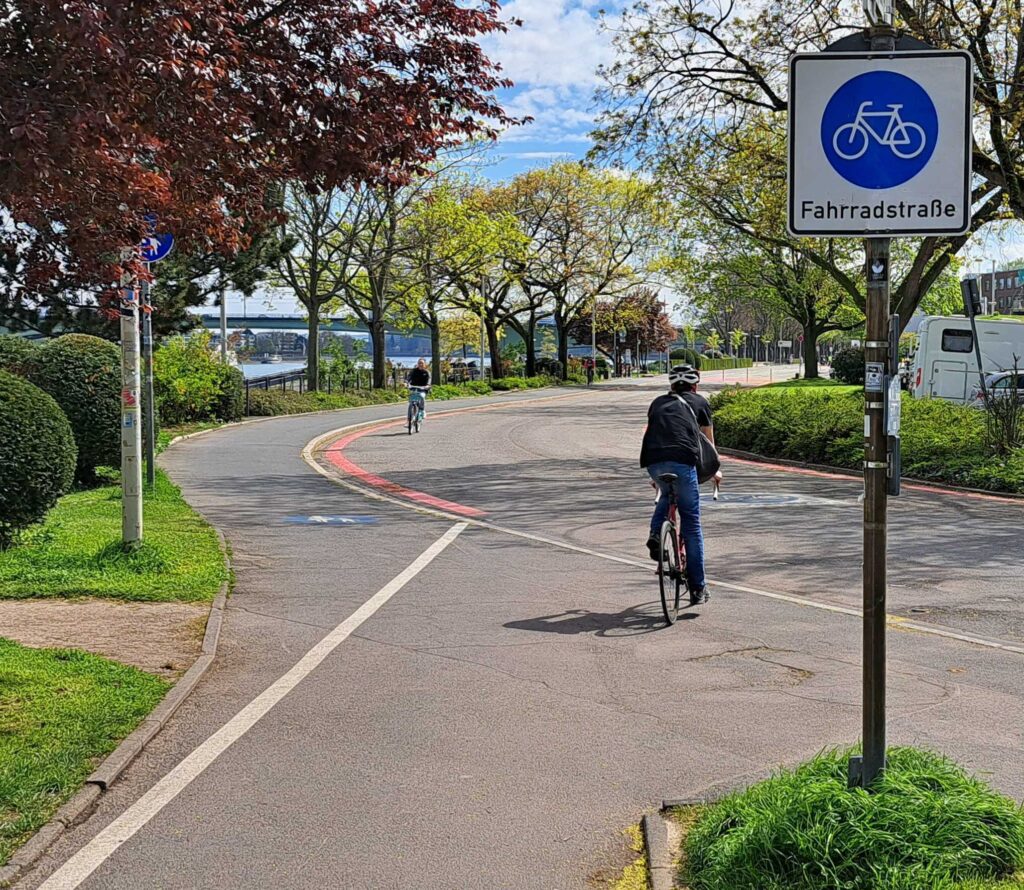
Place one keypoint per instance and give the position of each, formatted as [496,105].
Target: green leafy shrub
[551,367]
[192,384]
[686,356]
[925,824]
[505,384]
[273,402]
[37,455]
[848,366]
[83,374]
[942,441]
[16,354]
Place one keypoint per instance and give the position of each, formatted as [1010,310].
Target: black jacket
[672,429]
[418,377]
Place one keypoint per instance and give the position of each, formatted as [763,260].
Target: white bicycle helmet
[683,374]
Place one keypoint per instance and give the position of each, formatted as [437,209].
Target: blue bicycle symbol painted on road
[879,129]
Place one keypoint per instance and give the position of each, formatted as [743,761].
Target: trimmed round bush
[83,374]
[37,455]
[230,401]
[685,355]
[16,354]
[925,824]
[848,366]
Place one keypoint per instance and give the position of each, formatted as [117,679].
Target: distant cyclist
[671,445]
[418,381]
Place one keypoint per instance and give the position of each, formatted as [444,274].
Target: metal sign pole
[876,357]
[148,402]
[131,431]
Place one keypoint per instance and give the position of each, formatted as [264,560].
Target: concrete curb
[660,861]
[920,484]
[80,807]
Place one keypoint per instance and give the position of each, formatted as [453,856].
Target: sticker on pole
[880,144]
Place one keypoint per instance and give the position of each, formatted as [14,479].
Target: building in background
[1009,291]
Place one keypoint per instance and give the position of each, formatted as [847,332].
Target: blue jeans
[688,505]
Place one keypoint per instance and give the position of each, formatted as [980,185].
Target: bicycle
[672,555]
[899,136]
[417,407]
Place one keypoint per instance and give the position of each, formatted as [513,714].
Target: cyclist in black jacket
[671,445]
[420,375]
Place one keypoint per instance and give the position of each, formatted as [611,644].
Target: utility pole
[876,452]
[131,429]
[223,325]
[992,293]
[148,401]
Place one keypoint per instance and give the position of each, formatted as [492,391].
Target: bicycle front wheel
[413,411]
[670,575]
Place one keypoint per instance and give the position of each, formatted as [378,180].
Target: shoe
[654,547]
[699,597]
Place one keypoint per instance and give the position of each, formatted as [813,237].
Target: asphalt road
[517,703]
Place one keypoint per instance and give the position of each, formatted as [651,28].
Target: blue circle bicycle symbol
[879,129]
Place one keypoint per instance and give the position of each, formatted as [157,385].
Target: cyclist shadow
[629,622]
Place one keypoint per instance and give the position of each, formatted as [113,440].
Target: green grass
[77,551]
[60,712]
[164,437]
[926,826]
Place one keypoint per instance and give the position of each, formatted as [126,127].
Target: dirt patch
[161,638]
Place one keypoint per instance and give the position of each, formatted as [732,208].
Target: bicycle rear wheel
[670,575]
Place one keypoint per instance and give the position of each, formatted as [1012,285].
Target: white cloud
[537,155]
[559,44]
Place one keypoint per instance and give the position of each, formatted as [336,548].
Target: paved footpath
[448,701]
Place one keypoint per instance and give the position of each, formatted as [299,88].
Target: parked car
[461,370]
[999,386]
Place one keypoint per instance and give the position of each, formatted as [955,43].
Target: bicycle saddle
[667,477]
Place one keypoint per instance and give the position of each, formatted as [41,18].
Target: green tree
[697,84]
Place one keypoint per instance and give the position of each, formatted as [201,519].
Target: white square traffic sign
[880,144]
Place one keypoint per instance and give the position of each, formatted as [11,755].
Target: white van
[945,365]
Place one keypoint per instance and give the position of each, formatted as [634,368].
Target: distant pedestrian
[588,365]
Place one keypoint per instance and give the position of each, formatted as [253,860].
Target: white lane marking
[101,847]
[309,455]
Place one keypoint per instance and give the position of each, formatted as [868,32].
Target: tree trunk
[494,347]
[563,345]
[810,351]
[377,339]
[435,351]
[313,351]
[531,347]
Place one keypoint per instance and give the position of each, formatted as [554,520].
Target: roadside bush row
[37,455]
[273,402]
[942,442]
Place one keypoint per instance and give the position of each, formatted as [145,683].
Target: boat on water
[273,358]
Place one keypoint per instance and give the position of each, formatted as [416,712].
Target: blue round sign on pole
[879,129]
[155,246]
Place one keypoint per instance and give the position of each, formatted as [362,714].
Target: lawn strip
[77,551]
[61,711]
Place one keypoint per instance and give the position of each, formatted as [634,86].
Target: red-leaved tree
[110,109]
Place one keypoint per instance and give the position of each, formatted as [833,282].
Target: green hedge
[83,374]
[942,441]
[724,364]
[37,455]
[16,354]
[272,402]
[519,383]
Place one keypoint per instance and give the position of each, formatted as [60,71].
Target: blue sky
[553,59]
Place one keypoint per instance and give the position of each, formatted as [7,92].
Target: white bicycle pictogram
[905,139]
